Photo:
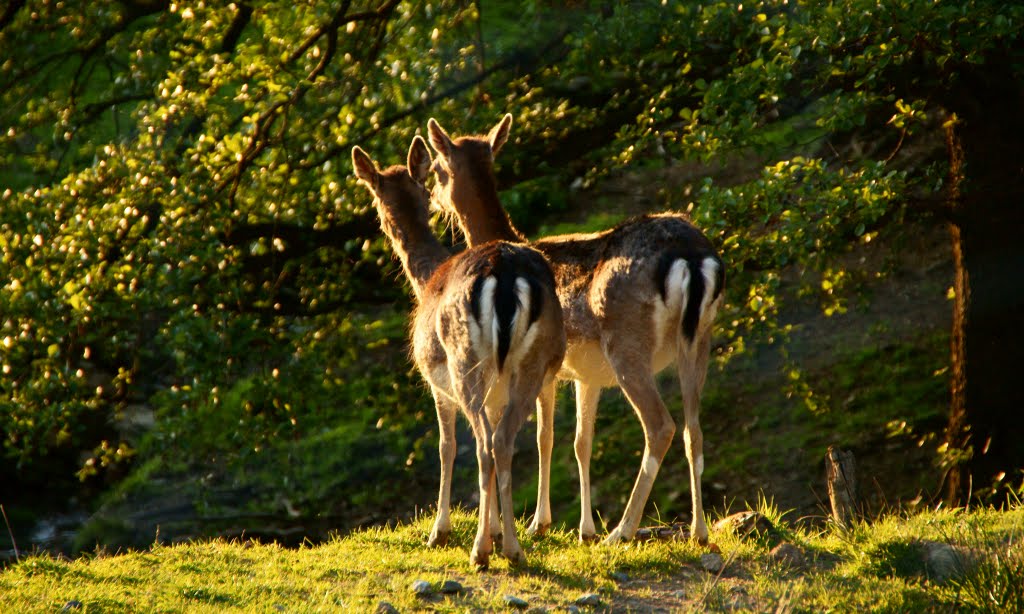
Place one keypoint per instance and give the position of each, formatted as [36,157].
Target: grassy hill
[935,560]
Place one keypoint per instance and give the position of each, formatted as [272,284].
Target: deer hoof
[538,529]
[480,560]
[614,537]
[516,557]
[438,539]
[587,538]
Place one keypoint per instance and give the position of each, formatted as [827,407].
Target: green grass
[856,570]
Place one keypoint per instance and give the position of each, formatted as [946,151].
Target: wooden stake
[841,476]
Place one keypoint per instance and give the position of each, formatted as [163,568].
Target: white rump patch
[667,312]
[485,337]
[523,333]
[523,295]
[709,269]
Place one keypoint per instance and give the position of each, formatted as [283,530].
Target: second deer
[487,334]
[636,298]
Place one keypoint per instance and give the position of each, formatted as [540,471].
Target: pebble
[618,576]
[422,588]
[590,600]
[74,604]
[787,554]
[449,587]
[942,561]
[712,562]
[385,608]
[515,602]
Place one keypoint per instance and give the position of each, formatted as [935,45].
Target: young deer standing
[636,299]
[486,335]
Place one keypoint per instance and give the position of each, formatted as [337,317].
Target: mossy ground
[868,568]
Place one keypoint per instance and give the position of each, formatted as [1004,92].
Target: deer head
[401,200]
[466,188]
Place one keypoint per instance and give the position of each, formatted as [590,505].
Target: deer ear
[439,139]
[364,168]
[499,133]
[419,159]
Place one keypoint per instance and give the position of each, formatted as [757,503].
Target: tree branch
[7,16]
[238,24]
[515,60]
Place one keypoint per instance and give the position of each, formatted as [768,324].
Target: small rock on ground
[590,600]
[618,576]
[449,587]
[787,554]
[942,561]
[385,608]
[712,562]
[515,602]
[422,588]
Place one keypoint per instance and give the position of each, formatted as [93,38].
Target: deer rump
[505,283]
[660,256]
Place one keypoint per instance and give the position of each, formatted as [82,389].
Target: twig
[11,533]
[718,577]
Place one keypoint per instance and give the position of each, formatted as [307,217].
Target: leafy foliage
[177,229]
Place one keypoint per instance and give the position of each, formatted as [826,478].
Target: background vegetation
[196,300]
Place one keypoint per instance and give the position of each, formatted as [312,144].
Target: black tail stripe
[505,304]
[691,315]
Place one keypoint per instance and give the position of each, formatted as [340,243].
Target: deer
[636,299]
[486,335]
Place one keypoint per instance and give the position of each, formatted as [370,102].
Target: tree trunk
[985,433]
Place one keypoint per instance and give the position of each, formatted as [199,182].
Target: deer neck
[420,254]
[483,219]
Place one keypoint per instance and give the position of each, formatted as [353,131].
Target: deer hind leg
[545,442]
[468,386]
[587,397]
[446,411]
[495,513]
[693,367]
[524,386]
[637,382]
[483,544]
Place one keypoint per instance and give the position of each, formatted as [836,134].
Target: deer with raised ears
[487,334]
[636,299]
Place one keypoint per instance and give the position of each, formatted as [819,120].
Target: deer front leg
[545,441]
[659,429]
[446,411]
[587,397]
